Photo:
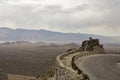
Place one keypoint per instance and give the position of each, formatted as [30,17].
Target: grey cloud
[97,14]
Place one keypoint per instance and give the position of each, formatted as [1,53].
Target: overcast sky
[80,16]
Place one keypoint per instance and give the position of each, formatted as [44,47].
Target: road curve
[101,67]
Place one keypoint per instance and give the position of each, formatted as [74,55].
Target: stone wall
[63,72]
[71,71]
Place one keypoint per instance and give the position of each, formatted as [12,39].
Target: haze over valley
[8,34]
[53,39]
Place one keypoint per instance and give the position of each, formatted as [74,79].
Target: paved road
[101,67]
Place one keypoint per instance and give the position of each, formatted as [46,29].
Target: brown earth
[29,59]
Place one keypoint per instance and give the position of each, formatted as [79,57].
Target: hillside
[29,59]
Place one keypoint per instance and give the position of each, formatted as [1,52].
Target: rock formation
[66,63]
[92,45]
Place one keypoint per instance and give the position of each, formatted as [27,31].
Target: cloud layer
[88,16]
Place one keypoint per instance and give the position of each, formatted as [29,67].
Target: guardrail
[64,72]
[68,73]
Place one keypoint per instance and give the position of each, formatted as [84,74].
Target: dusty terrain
[34,59]
[29,59]
[111,48]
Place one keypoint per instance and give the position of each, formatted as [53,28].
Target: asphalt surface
[101,67]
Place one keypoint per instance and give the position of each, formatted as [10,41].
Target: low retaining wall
[66,64]
[64,72]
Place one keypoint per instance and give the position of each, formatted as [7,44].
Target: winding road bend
[101,67]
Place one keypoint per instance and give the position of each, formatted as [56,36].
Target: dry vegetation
[30,59]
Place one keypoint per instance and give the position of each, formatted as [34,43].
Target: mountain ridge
[19,34]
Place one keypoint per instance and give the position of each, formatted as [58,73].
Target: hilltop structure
[66,63]
[92,45]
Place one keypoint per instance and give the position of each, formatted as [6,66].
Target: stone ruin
[92,45]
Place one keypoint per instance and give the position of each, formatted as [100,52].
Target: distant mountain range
[8,34]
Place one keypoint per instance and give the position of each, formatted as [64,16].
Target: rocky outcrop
[66,68]
[92,45]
